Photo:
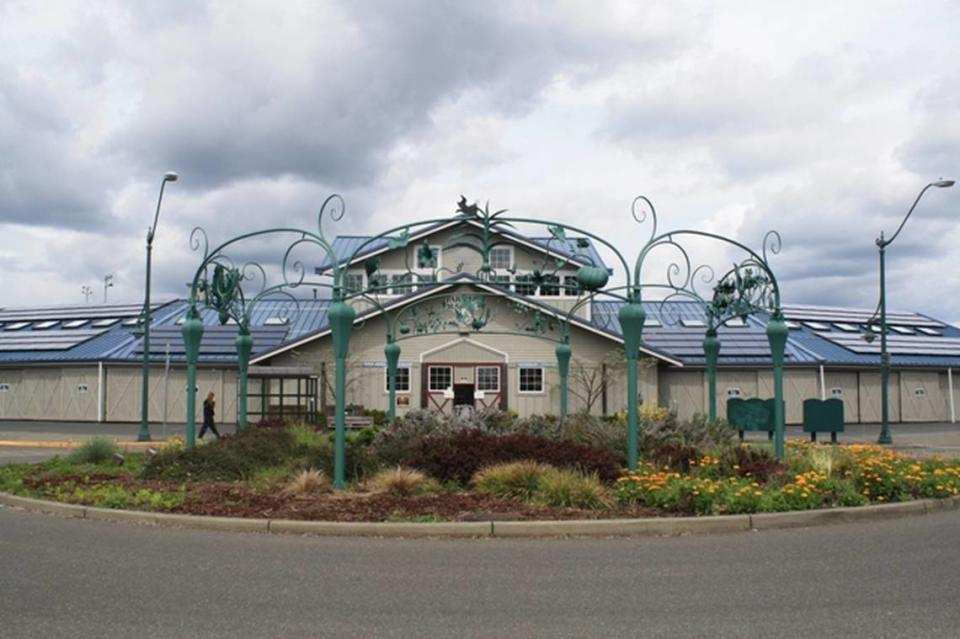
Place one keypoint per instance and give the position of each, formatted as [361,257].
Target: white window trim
[539,294]
[476,379]
[543,380]
[386,388]
[508,247]
[430,388]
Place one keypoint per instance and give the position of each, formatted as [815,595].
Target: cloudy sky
[819,119]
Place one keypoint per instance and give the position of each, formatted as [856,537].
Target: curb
[650,526]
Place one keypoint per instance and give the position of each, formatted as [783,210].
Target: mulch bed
[241,500]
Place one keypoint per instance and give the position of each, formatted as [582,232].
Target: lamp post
[107,283]
[144,435]
[882,244]
[87,292]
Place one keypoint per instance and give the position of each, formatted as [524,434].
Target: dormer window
[501,258]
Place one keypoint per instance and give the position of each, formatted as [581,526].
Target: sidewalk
[71,435]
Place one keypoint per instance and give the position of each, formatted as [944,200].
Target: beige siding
[123,390]
[10,406]
[870,397]
[945,391]
[366,361]
[683,391]
[798,385]
[927,406]
[468,261]
[79,394]
[846,381]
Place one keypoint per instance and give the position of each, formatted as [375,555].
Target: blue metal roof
[741,346]
[670,331]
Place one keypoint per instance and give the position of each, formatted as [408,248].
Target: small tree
[588,380]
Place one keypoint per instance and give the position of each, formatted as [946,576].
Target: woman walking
[208,410]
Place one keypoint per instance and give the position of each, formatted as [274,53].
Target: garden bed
[423,469]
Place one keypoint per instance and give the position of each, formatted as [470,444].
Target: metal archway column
[392,353]
[192,331]
[632,317]
[244,348]
[563,353]
[341,324]
[777,336]
[711,349]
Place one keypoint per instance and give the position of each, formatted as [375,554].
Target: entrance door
[463,395]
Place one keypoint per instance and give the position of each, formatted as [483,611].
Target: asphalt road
[77,578]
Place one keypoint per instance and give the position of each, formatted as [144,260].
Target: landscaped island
[427,467]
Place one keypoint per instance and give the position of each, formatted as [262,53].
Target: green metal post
[192,331]
[711,349]
[885,436]
[341,317]
[392,353]
[632,317]
[244,348]
[144,434]
[563,352]
[777,336]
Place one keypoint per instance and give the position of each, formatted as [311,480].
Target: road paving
[79,578]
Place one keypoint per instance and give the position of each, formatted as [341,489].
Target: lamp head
[170,176]
[943,184]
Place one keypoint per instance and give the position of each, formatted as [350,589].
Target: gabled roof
[579,249]
[460,279]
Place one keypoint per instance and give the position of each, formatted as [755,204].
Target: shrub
[561,488]
[231,458]
[305,436]
[308,482]
[658,430]
[675,456]
[515,480]
[460,455]
[98,450]
[542,484]
[755,463]
[402,482]
[272,422]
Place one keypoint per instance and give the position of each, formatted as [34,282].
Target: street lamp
[882,244]
[144,435]
[107,283]
[87,292]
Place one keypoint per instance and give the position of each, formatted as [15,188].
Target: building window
[571,286]
[501,258]
[836,392]
[523,288]
[531,380]
[733,392]
[920,391]
[402,284]
[354,282]
[440,377]
[488,379]
[4,387]
[403,379]
[82,389]
[551,285]
[501,280]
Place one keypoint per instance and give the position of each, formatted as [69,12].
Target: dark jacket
[207,412]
